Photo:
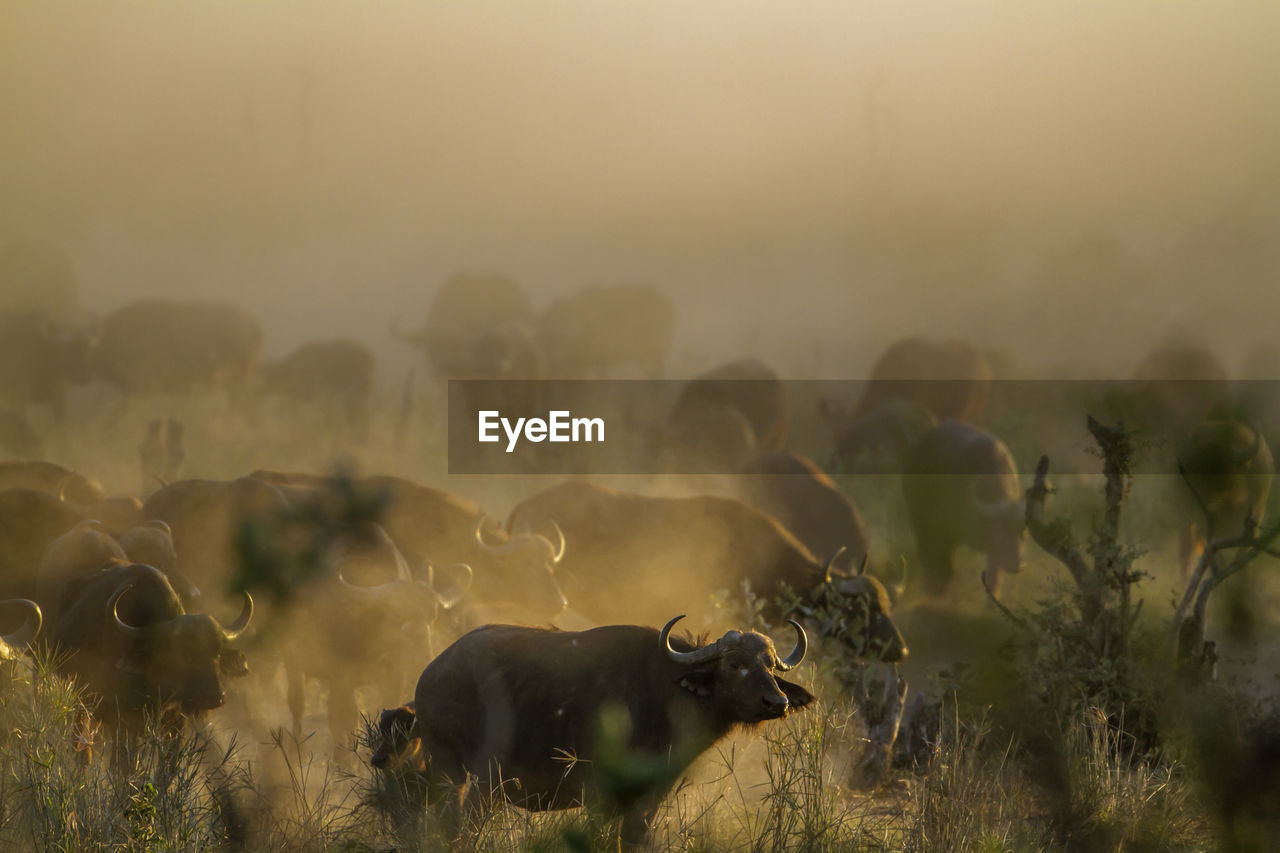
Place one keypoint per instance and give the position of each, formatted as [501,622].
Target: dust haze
[1062,183]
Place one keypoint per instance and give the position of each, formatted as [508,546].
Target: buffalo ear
[698,681]
[797,696]
[403,718]
[232,663]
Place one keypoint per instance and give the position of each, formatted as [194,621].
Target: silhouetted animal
[614,715]
[796,492]
[615,331]
[961,488]
[162,346]
[725,417]
[1227,469]
[628,556]
[124,635]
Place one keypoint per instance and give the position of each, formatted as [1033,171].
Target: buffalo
[1227,470]
[151,542]
[379,620]
[960,484]
[333,378]
[205,517]
[949,377]
[396,747]
[160,346]
[914,383]
[628,556]
[608,332]
[124,634]
[1172,389]
[80,551]
[30,520]
[1182,384]
[291,541]
[725,417]
[41,359]
[71,486]
[554,720]
[877,441]
[795,491]
[88,547]
[479,325]
[516,574]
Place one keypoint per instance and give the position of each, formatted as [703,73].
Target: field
[1024,740]
[947,330]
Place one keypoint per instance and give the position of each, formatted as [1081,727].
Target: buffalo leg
[344,716]
[937,564]
[635,827]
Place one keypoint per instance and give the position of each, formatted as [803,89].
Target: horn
[370,593]
[702,655]
[558,552]
[899,587]
[29,629]
[504,548]
[344,553]
[402,565]
[520,541]
[826,569]
[127,630]
[449,602]
[62,487]
[158,524]
[862,567]
[792,660]
[232,632]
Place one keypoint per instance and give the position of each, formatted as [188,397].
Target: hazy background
[1065,182]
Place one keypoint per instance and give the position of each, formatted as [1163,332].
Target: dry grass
[782,790]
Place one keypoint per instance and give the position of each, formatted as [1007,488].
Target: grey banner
[846,426]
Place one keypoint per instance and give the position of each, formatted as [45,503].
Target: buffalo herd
[162,603]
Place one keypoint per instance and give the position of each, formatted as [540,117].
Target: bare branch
[1054,538]
[1200,502]
[1012,617]
[1117,452]
[1250,547]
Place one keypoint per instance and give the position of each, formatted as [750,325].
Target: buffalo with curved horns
[613,715]
[631,557]
[1227,469]
[961,487]
[126,637]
